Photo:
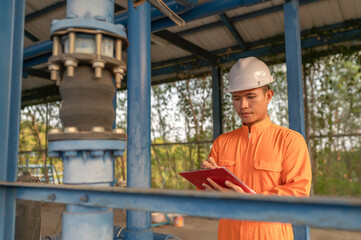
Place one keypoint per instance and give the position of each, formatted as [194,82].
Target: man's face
[251,105]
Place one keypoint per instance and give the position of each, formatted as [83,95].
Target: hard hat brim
[247,88]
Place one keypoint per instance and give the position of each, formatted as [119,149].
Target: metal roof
[254,30]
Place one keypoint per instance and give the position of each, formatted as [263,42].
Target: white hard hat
[248,73]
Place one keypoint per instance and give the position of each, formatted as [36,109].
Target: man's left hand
[212,186]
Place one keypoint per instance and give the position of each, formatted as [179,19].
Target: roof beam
[186,45]
[30,36]
[40,95]
[118,8]
[40,73]
[231,28]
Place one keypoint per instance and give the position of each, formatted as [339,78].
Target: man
[270,159]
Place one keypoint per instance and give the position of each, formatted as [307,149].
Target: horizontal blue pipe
[36,61]
[338,213]
[38,49]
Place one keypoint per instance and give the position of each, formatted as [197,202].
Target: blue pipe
[138,154]
[294,67]
[38,49]
[87,162]
[295,84]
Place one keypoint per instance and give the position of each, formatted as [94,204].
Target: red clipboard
[219,175]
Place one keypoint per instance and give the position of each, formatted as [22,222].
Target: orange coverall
[272,160]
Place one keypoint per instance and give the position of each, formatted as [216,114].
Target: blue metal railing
[322,212]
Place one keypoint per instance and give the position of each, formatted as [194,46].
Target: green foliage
[278,108]
[180,112]
[169,160]
[333,89]
[338,173]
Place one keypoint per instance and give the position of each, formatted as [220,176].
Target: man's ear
[269,95]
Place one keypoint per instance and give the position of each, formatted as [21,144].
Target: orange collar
[258,127]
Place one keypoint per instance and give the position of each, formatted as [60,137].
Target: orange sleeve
[296,173]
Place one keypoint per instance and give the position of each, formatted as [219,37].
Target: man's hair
[265,88]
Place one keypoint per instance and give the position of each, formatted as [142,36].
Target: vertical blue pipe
[217,102]
[294,67]
[11,52]
[294,83]
[138,154]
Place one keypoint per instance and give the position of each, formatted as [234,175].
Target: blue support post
[139,76]
[11,52]
[217,102]
[294,67]
[294,83]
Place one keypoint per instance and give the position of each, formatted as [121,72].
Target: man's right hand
[209,164]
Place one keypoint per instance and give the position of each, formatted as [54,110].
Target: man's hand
[209,164]
[212,186]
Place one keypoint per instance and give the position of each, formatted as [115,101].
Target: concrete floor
[194,228]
